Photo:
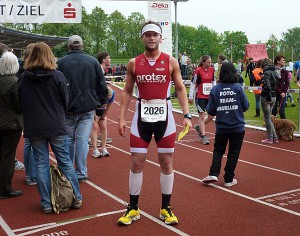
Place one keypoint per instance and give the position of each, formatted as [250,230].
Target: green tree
[234,44]
[117,33]
[292,40]
[206,42]
[273,46]
[96,24]
[134,45]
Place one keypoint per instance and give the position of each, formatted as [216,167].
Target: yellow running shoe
[167,215]
[129,216]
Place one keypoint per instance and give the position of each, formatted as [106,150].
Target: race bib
[153,110]
[206,88]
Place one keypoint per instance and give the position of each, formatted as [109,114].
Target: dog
[284,128]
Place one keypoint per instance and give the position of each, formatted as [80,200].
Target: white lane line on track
[278,194]
[259,144]
[123,202]
[69,221]
[222,188]
[5,227]
[247,162]
[156,220]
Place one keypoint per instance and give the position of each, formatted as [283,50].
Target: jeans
[235,144]
[59,146]
[30,168]
[280,101]
[79,129]
[267,108]
[257,101]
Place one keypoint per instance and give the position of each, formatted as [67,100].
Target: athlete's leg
[201,121]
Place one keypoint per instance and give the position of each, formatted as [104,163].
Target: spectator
[282,87]
[268,98]
[227,102]
[255,76]
[296,67]
[250,67]
[11,122]
[29,162]
[100,118]
[88,91]
[184,59]
[44,95]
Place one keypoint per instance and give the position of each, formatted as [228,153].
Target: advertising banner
[40,11]
[160,11]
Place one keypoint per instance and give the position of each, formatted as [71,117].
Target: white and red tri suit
[154,85]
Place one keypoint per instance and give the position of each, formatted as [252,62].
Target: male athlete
[153,73]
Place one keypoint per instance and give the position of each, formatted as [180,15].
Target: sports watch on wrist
[188,115]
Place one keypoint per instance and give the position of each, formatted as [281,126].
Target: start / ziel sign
[40,11]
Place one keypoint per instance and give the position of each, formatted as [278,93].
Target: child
[228,102]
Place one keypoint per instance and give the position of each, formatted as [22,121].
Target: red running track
[266,200]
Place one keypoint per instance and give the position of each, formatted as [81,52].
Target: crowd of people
[65,104]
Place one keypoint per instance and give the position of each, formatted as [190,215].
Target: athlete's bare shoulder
[131,66]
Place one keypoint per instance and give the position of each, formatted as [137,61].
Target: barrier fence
[187,83]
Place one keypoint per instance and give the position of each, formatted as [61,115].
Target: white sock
[166,183]
[135,183]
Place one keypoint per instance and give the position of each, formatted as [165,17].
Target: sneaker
[275,140]
[205,140]
[77,204]
[98,143]
[19,165]
[129,216]
[48,211]
[82,180]
[196,127]
[234,182]
[104,153]
[31,183]
[108,140]
[209,179]
[167,216]
[96,153]
[267,141]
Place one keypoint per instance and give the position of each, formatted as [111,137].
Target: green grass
[124,61]
[292,113]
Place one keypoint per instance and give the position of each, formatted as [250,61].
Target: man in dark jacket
[88,91]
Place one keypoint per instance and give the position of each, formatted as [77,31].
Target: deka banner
[160,11]
[40,11]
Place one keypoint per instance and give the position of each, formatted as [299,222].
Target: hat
[75,40]
[151,27]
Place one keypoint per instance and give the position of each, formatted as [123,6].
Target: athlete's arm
[126,96]
[180,89]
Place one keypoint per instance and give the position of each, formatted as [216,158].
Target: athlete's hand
[122,127]
[187,122]
[191,101]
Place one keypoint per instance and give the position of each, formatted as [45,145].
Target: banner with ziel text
[40,11]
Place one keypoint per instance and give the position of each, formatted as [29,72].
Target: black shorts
[201,104]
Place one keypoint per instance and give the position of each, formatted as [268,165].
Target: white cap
[151,27]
